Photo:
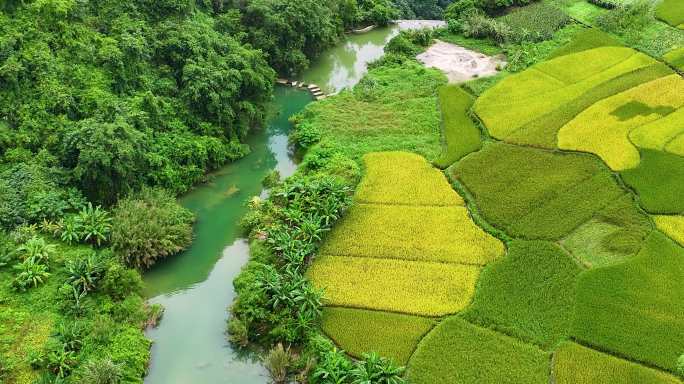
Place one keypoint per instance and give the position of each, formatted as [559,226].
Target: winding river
[195,287]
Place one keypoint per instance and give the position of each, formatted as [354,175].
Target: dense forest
[108,110]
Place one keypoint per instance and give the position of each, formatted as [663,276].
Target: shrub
[94,225]
[458,8]
[150,226]
[85,273]
[119,282]
[29,274]
[103,371]
[305,135]
[37,250]
[680,366]
[277,363]
[376,369]
[608,4]
[333,367]
[238,331]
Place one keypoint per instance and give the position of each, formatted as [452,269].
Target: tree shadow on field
[637,108]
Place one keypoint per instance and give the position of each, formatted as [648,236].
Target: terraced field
[583,182]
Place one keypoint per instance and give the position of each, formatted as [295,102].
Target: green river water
[195,287]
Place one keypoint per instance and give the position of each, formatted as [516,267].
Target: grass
[675,58]
[672,226]
[459,352]
[659,182]
[576,364]
[580,10]
[671,12]
[421,233]
[461,135]
[603,128]
[404,178]
[418,288]
[536,194]
[661,134]
[585,40]
[392,108]
[612,236]
[529,294]
[634,309]
[520,99]
[391,335]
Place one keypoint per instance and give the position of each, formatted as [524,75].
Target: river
[195,287]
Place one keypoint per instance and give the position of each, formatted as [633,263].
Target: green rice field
[544,244]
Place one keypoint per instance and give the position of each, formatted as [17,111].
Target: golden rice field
[605,127]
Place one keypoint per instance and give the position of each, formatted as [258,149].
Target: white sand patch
[420,24]
[460,64]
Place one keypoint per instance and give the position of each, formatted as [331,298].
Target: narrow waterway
[195,287]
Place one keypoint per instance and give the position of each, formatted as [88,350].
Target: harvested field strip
[418,288]
[543,131]
[603,128]
[634,309]
[456,351]
[659,182]
[536,194]
[660,133]
[576,364]
[390,335]
[444,234]
[404,178]
[528,294]
[516,101]
[673,226]
[461,136]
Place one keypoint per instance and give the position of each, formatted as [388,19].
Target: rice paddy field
[544,243]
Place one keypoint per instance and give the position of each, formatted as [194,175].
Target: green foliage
[608,4]
[94,224]
[390,335]
[37,250]
[120,282]
[376,369]
[150,226]
[658,180]
[457,351]
[680,365]
[29,274]
[461,135]
[103,371]
[575,364]
[529,294]
[497,5]
[509,183]
[85,273]
[638,297]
